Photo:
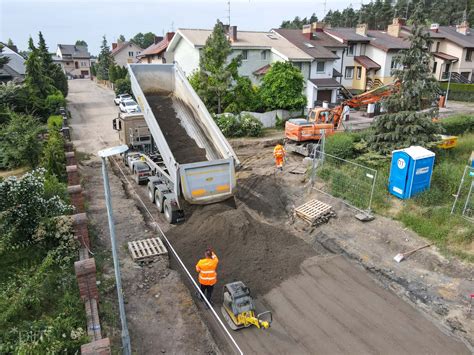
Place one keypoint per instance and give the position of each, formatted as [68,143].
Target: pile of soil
[259,254]
[184,148]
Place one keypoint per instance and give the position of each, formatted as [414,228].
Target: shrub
[459,92]
[123,86]
[457,125]
[54,158]
[55,123]
[229,124]
[251,126]
[54,101]
[340,145]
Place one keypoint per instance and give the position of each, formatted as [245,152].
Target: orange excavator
[302,134]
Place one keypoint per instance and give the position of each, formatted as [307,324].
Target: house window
[264,55]
[351,50]
[349,72]
[245,54]
[320,67]
[362,49]
[468,55]
[299,65]
[435,66]
[437,46]
[359,73]
[393,64]
[130,54]
[76,64]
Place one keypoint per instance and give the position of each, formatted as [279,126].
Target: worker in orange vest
[207,273]
[279,155]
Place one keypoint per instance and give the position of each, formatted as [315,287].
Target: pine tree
[404,124]
[3,60]
[121,38]
[52,70]
[105,60]
[43,53]
[38,83]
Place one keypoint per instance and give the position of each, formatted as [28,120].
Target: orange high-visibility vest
[279,151]
[207,270]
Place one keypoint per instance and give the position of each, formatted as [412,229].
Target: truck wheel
[170,215]
[151,193]
[159,200]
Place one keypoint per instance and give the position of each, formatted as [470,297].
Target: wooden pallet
[315,212]
[146,249]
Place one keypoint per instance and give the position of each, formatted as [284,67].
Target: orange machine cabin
[300,129]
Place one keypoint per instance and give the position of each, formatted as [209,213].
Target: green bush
[54,101]
[54,158]
[250,126]
[123,86]
[55,123]
[457,125]
[340,145]
[459,92]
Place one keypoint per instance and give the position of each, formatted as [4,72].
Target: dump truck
[193,161]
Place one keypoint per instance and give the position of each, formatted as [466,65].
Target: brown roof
[122,45]
[366,62]
[313,47]
[450,33]
[326,83]
[262,71]
[384,41]
[347,34]
[445,56]
[157,48]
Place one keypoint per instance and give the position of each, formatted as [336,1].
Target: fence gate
[464,199]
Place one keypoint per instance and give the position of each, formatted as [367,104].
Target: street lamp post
[449,82]
[104,154]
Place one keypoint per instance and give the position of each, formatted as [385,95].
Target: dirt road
[161,315]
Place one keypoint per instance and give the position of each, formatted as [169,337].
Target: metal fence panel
[463,200]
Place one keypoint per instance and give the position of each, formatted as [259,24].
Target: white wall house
[125,52]
[74,60]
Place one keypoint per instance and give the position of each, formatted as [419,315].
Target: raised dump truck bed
[197,162]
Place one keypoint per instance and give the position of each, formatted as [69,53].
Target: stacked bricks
[85,268]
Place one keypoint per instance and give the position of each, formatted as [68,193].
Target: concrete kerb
[85,267]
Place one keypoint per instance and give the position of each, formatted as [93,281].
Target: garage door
[324,95]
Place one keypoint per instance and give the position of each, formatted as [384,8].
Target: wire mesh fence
[353,183]
[464,199]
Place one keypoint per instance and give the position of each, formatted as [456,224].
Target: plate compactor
[238,308]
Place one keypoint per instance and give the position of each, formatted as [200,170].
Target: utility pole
[104,154]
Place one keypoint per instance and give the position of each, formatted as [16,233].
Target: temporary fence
[464,200]
[352,182]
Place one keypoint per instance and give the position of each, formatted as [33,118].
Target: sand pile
[259,254]
[185,149]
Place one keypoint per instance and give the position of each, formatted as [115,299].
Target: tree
[19,141]
[404,124]
[36,79]
[144,40]
[44,55]
[81,42]
[215,76]
[282,87]
[243,97]
[121,39]
[105,60]
[3,60]
[10,43]
[54,159]
[123,86]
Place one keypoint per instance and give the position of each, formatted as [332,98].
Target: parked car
[129,106]
[141,171]
[121,98]
[130,157]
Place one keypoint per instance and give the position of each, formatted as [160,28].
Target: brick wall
[85,267]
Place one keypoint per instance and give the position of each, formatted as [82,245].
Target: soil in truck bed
[184,148]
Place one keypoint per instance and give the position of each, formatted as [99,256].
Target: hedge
[55,122]
[457,125]
[459,92]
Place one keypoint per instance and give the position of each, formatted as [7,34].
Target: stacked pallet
[315,212]
[146,249]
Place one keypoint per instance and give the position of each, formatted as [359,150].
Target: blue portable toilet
[410,171]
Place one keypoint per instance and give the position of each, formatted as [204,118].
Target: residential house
[452,49]
[370,55]
[14,70]
[74,60]
[155,52]
[125,52]
[258,49]
[323,77]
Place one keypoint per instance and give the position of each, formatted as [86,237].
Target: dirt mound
[184,148]
[259,254]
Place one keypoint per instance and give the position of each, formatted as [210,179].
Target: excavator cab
[319,115]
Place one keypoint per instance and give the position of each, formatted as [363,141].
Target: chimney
[114,45]
[307,30]
[463,28]
[169,36]
[399,21]
[434,27]
[361,29]
[157,39]
[233,33]
[394,29]
[318,26]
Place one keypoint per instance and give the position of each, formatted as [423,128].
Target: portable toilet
[410,171]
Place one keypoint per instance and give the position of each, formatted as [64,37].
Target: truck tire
[170,215]
[151,192]
[159,200]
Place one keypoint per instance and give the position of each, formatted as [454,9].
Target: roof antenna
[228,12]
[172,26]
